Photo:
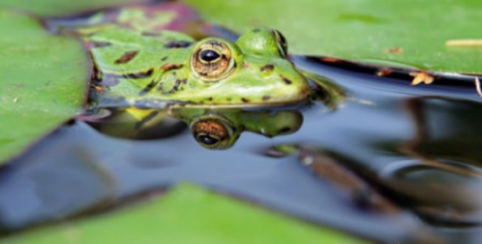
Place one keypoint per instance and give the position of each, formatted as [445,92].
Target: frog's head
[252,71]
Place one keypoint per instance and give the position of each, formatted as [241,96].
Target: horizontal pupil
[208,140]
[209,55]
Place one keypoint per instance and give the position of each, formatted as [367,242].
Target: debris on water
[421,76]
[353,186]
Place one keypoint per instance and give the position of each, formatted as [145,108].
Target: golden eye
[212,60]
[282,44]
[211,134]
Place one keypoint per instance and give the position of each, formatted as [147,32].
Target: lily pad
[61,7]
[43,81]
[408,33]
[218,219]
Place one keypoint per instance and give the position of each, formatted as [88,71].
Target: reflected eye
[282,44]
[208,140]
[211,134]
[212,60]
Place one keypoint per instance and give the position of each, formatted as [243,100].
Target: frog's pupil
[209,55]
[208,140]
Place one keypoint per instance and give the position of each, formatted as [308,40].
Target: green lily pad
[61,7]
[409,33]
[43,81]
[218,219]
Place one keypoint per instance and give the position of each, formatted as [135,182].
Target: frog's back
[129,47]
[117,50]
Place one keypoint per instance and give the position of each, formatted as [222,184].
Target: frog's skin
[211,128]
[154,69]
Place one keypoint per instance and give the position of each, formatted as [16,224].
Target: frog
[140,64]
[143,65]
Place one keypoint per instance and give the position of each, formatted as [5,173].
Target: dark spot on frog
[256,30]
[94,44]
[128,56]
[210,98]
[142,74]
[284,130]
[148,88]
[171,66]
[286,80]
[244,100]
[177,44]
[164,58]
[174,88]
[144,120]
[228,99]
[268,67]
[265,98]
[174,73]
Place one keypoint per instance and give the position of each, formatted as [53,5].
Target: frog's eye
[282,44]
[212,133]
[212,60]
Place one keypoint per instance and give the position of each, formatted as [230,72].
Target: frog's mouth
[244,97]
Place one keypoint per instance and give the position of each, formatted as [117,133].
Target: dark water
[387,161]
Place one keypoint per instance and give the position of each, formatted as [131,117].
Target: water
[381,159]
[378,158]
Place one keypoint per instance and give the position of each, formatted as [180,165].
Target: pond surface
[386,160]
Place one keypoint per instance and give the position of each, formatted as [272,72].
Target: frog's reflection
[219,129]
[211,128]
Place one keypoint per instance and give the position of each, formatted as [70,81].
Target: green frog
[144,65]
[141,65]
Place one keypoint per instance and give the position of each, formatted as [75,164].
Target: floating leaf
[409,33]
[43,81]
[186,215]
